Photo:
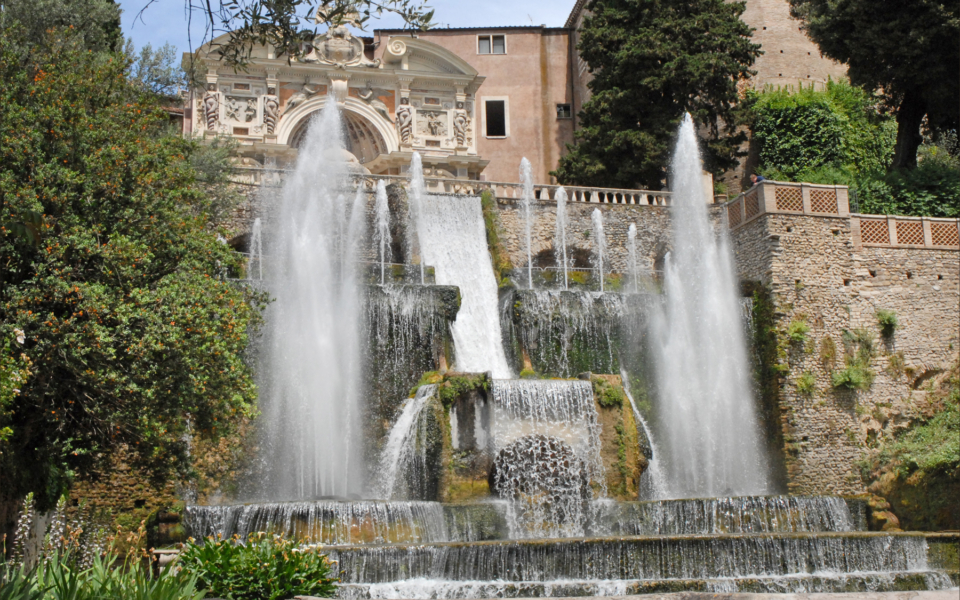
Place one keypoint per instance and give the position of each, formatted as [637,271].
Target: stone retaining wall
[815,273]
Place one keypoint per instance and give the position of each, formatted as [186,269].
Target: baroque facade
[472,101]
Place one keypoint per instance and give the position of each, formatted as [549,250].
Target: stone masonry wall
[814,273]
[653,231]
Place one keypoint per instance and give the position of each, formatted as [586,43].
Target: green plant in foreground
[797,331]
[807,383]
[888,321]
[264,568]
[853,377]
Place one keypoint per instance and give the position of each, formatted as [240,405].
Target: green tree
[96,23]
[652,61]
[132,337]
[907,49]
[156,71]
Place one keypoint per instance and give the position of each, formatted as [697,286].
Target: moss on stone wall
[769,368]
[623,461]
[498,253]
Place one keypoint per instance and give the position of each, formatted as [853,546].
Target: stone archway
[360,137]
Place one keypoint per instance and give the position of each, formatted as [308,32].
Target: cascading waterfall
[770,563]
[566,333]
[599,242]
[526,200]
[709,432]
[382,227]
[550,429]
[310,371]
[712,516]
[256,249]
[454,242]
[560,235]
[415,209]
[653,483]
[632,251]
[401,456]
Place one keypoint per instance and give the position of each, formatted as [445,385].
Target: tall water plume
[382,233]
[707,423]
[454,241]
[256,250]
[414,209]
[560,235]
[632,250]
[526,179]
[310,372]
[599,242]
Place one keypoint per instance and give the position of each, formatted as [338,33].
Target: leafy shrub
[797,331]
[807,383]
[607,394]
[828,352]
[888,321]
[859,348]
[853,377]
[264,568]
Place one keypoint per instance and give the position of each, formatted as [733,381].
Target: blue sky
[166,20]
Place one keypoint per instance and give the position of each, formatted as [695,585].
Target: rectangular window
[241,86]
[496,118]
[429,100]
[241,131]
[491,44]
[564,111]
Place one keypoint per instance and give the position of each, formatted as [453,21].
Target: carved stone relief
[461,123]
[242,110]
[405,121]
[339,47]
[271,111]
[211,108]
[432,123]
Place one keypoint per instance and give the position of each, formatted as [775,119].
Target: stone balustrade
[500,190]
[778,197]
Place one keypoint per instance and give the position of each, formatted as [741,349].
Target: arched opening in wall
[360,137]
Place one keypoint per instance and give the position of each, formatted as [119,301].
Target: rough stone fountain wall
[811,269]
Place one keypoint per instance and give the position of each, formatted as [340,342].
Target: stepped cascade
[625,459]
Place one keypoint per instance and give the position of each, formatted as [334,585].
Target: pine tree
[652,61]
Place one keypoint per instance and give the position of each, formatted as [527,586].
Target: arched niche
[366,133]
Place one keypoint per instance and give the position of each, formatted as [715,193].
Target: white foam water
[399,455]
[653,483]
[526,200]
[560,234]
[707,425]
[310,372]
[599,242]
[382,227]
[454,243]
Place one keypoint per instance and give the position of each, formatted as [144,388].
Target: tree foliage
[157,71]
[289,26]
[652,61]
[95,23]
[838,136]
[132,335]
[908,49]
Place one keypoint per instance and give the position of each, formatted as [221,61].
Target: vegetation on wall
[133,336]
[887,320]
[918,468]
[607,394]
[858,352]
[498,252]
[652,61]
